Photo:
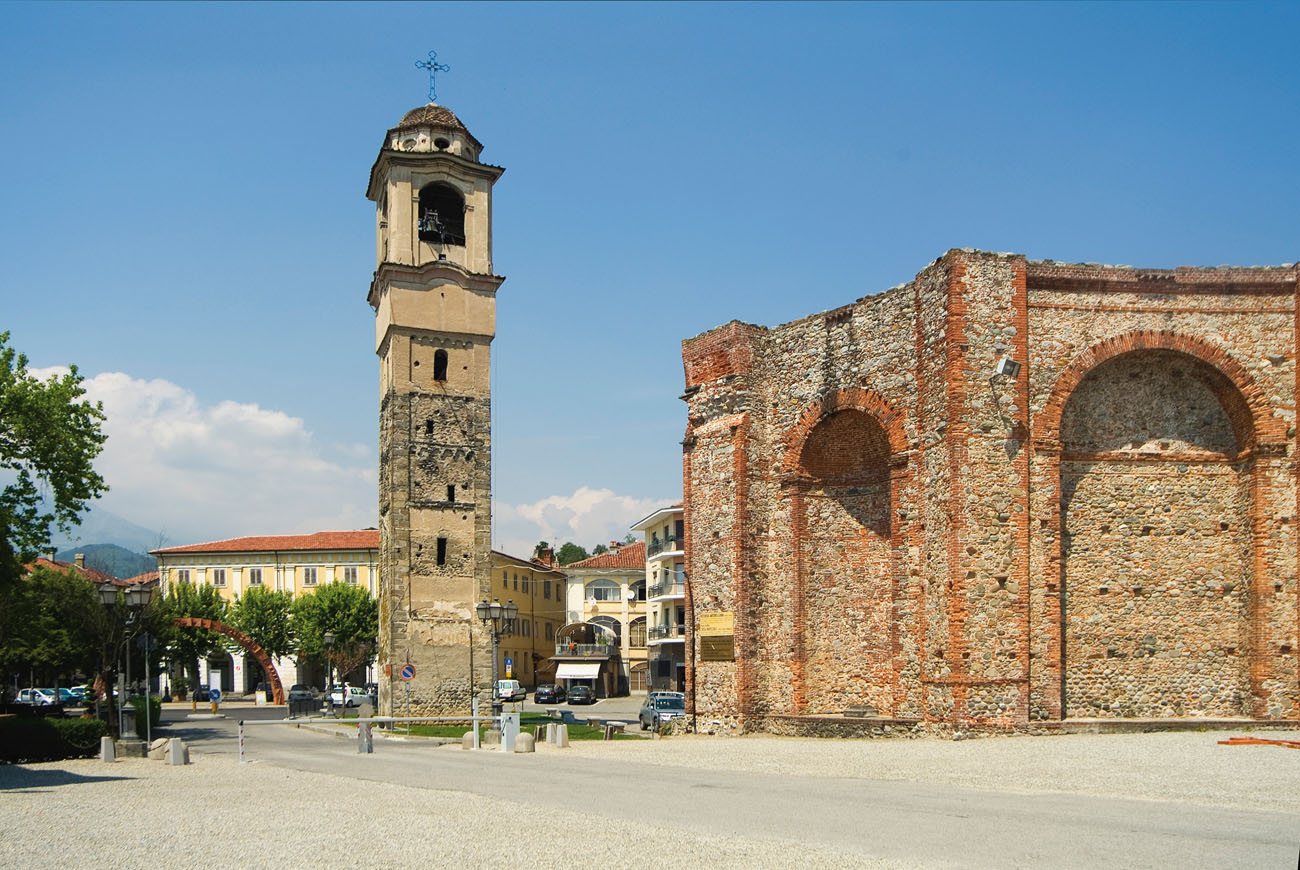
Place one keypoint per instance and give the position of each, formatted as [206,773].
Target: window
[451,492]
[516,582]
[218,576]
[308,576]
[602,590]
[636,632]
[505,579]
[442,551]
[183,575]
[525,589]
[550,631]
[254,576]
[679,573]
[546,588]
[639,589]
[440,365]
[528,628]
[350,574]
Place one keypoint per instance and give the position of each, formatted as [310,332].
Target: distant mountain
[111,559]
[100,526]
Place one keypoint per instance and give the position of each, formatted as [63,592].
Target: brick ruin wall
[1110,534]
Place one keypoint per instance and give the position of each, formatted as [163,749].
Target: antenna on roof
[434,68]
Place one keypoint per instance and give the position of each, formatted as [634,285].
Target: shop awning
[577,671]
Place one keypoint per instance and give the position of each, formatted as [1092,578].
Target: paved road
[934,825]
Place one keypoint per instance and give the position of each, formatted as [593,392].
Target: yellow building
[538,591]
[603,643]
[296,564]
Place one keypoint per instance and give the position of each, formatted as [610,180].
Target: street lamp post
[497,618]
[136,598]
[329,671]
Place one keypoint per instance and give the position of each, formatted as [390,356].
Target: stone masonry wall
[1109,534]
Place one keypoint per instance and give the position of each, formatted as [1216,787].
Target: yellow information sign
[718,624]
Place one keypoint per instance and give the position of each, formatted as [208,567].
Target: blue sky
[184,214]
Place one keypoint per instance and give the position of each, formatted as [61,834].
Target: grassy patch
[527,722]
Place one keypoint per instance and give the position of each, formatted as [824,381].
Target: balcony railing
[585,649]
[663,632]
[658,590]
[659,545]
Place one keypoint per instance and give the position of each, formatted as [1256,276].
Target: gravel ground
[82,813]
[224,815]
[1179,766]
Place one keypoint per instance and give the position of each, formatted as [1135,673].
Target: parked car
[79,694]
[549,693]
[202,693]
[509,691]
[301,692]
[36,697]
[581,695]
[348,696]
[665,708]
[654,695]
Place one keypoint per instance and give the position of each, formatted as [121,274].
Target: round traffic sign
[407,672]
[214,694]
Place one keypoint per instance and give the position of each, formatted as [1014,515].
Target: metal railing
[660,632]
[584,649]
[671,587]
[659,545]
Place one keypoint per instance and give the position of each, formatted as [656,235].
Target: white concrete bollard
[158,749]
[467,740]
[525,743]
[562,735]
[107,752]
[177,752]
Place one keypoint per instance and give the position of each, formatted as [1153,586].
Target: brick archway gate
[243,640]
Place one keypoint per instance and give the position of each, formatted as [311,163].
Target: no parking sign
[407,672]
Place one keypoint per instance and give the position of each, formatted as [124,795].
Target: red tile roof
[94,575]
[627,556]
[145,578]
[365,539]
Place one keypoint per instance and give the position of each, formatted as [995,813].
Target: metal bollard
[241,741]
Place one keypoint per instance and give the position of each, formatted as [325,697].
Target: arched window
[602,590]
[610,625]
[440,365]
[442,215]
[637,592]
[636,632]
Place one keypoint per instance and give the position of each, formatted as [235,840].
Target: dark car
[202,693]
[582,695]
[301,692]
[549,693]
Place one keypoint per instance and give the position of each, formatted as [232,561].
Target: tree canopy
[264,615]
[570,552]
[56,626]
[49,437]
[188,645]
[346,610]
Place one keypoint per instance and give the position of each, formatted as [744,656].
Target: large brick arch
[243,640]
[855,399]
[1243,399]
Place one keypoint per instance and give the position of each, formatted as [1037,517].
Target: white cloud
[204,472]
[587,517]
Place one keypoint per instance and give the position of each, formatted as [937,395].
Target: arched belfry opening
[442,214]
[844,562]
[440,365]
[1156,540]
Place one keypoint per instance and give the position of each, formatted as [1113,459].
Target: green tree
[264,615]
[57,626]
[188,645]
[542,547]
[570,553]
[346,610]
[598,549]
[48,440]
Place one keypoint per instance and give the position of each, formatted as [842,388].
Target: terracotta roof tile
[94,575]
[629,556]
[365,539]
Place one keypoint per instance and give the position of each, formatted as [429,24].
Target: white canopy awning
[577,671]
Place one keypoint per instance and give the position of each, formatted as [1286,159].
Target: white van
[510,690]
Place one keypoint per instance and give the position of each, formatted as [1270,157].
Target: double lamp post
[136,597]
[499,620]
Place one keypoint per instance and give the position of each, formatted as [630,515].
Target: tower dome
[432,127]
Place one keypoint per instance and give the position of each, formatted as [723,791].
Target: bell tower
[434,297]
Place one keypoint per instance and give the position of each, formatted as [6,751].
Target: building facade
[538,590]
[1006,493]
[434,297]
[664,532]
[603,643]
[296,564]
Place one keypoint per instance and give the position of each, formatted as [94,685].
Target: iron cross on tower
[434,68]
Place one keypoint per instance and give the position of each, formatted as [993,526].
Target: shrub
[155,711]
[30,739]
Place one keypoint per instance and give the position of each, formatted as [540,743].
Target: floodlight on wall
[1008,367]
